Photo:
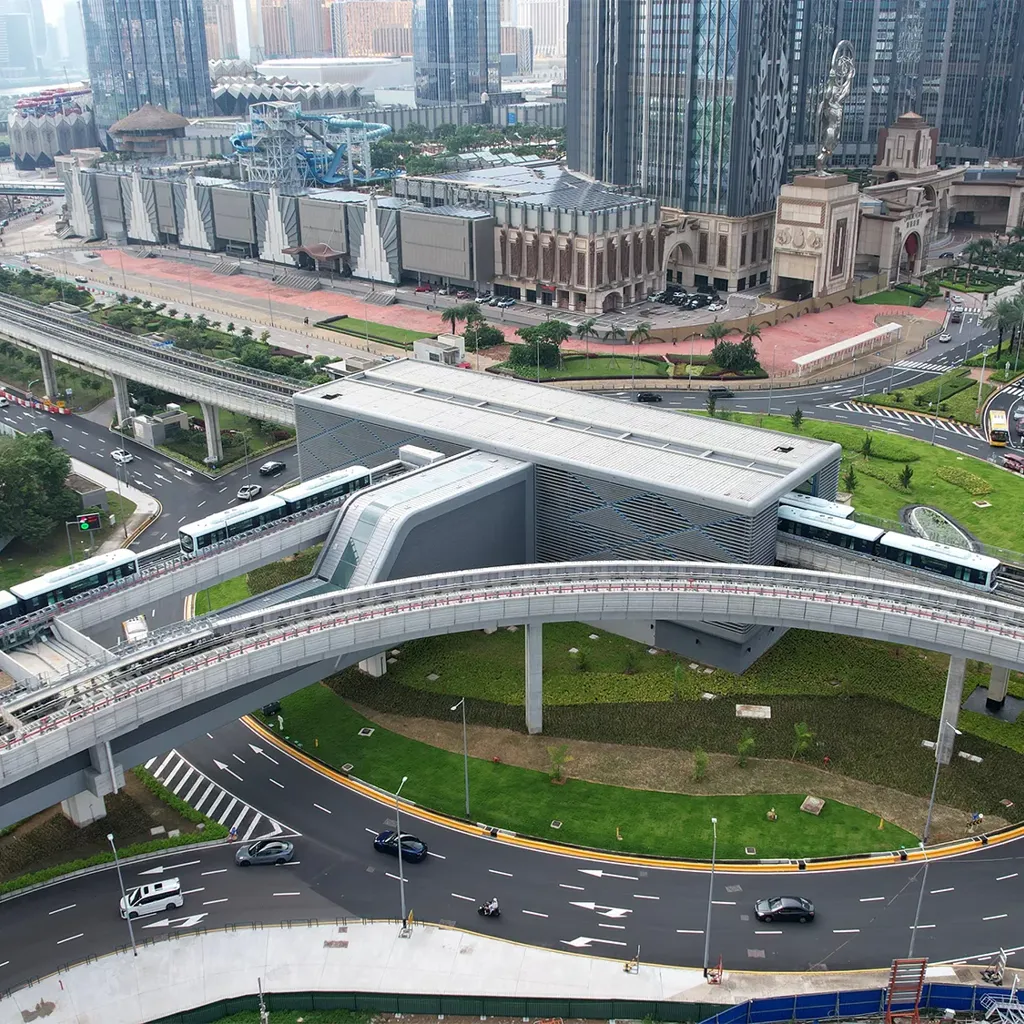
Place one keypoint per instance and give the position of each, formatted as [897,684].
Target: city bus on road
[998,428]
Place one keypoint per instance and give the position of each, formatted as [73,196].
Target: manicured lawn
[384,332]
[221,595]
[892,297]
[1001,525]
[260,436]
[526,801]
[599,366]
[954,394]
[19,562]
[20,367]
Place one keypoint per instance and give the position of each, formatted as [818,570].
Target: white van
[152,898]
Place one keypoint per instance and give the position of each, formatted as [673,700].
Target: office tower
[139,51]
[456,50]
[221,38]
[275,17]
[549,20]
[518,42]
[371,28]
[23,39]
[685,102]
[311,28]
[955,62]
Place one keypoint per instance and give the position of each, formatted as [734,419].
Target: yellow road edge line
[545,846]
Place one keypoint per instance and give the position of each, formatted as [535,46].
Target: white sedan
[944,338]
[119,455]
[716,307]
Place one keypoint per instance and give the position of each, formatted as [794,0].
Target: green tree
[700,765]
[559,757]
[585,331]
[1004,316]
[711,404]
[865,446]
[34,498]
[247,333]
[264,336]
[745,747]
[849,480]
[906,475]
[172,313]
[751,331]
[715,330]
[451,316]
[557,332]
[802,739]
[797,418]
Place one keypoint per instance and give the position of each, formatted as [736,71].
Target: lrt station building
[595,479]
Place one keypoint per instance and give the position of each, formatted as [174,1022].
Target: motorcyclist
[492,906]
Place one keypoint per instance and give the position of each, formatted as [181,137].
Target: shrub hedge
[970,482]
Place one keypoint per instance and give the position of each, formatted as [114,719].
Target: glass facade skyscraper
[456,46]
[146,51]
[687,101]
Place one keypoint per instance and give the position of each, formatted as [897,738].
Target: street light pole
[398,830]
[771,381]
[465,747]
[711,892]
[124,895]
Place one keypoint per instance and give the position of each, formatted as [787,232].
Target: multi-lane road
[972,905]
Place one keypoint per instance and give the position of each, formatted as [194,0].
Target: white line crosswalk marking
[966,429]
[214,800]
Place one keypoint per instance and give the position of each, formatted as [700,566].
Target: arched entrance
[679,266]
[910,254]
[612,302]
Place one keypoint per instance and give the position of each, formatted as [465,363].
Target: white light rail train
[114,566]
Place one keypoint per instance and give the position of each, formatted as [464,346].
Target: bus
[998,428]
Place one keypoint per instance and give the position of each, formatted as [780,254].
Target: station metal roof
[728,465]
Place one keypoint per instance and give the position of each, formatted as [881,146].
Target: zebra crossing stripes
[201,793]
[1013,389]
[914,364]
[881,412]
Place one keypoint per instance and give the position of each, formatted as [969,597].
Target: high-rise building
[311,27]
[456,50]
[549,20]
[371,28]
[140,51]
[278,40]
[955,62]
[23,38]
[74,35]
[221,37]
[519,43]
[685,102]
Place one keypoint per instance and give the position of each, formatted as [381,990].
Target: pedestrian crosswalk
[916,364]
[201,793]
[1017,390]
[881,412]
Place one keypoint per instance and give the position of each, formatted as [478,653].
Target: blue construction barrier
[862,1003]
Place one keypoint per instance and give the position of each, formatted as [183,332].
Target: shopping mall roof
[729,465]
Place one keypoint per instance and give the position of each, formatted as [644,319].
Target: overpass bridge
[13,187]
[214,383]
[139,700]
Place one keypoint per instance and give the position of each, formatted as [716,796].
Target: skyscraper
[146,51]
[456,50]
[370,28]
[221,37]
[685,102]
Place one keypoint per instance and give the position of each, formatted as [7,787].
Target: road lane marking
[935,892]
[1003,878]
[534,913]
[724,903]
[871,899]
[5,963]
[995,917]
[324,809]
[287,894]
[189,892]
[70,938]
[767,933]
[922,926]
[182,519]
[276,783]
[639,896]
[218,871]
[372,831]
[689,931]
[620,927]
[439,856]
[577,888]
[210,903]
[506,874]
[845,931]
[60,910]
[458,896]
[395,877]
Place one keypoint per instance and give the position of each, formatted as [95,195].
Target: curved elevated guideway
[193,667]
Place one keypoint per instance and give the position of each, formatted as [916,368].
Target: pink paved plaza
[781,344]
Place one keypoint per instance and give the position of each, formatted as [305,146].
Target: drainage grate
[366,732]
[556,824]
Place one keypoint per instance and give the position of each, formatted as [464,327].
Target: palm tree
[557,332]
[752,331]
[716,330]
[586,331]
[614,334]
[975,253]
[639,334]
[452,315]
[1016,233]
[1003,316]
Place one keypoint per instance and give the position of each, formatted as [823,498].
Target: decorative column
[214,445]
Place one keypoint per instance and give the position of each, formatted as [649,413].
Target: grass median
[594,815]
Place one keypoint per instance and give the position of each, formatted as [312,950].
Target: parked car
[946,255]
[272,468]
[265,851]
[248,491]
[784,908]
[3,402]
[424,288]
[483,296]
[413,849]
[648,396]
[463,293]
[720,391]
[81,280]
[944,338]
[716,307]
[444,291]
[44,432]
[506,303]
[495,301]
[122,457]
[38,269]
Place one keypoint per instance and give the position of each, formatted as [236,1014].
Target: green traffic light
[83,526]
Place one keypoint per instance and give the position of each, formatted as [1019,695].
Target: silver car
[265,851]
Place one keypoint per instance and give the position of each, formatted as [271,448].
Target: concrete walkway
[191,970]
[146,506]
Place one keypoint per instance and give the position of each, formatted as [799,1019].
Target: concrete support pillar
[375,665]
[49,375]
[535,679]
[998,684]
[84,808]
[951,701]
[103,778]
[214,447]
[122,403]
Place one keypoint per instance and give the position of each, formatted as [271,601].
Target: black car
[265,851]
[946,255]
[648,396]
[44,432]
[272,468]
[784,908]
[413,849]
[721,391]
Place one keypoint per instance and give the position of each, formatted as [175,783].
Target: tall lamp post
[465,747]
[124,895]
[398,830]
[711,892]
[943,724]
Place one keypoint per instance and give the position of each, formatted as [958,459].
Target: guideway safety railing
[158,660]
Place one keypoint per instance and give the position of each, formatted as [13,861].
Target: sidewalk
[192,970]
[146,506]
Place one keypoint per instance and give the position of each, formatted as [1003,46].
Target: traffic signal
[89,521]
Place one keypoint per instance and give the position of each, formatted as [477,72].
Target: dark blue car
[413,849]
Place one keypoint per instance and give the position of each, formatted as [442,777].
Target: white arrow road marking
[223,767]
[598,873]
[582,942]
[178,922]
[603,910]
[261,752]
[159,870]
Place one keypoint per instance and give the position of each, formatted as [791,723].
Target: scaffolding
[281,145]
